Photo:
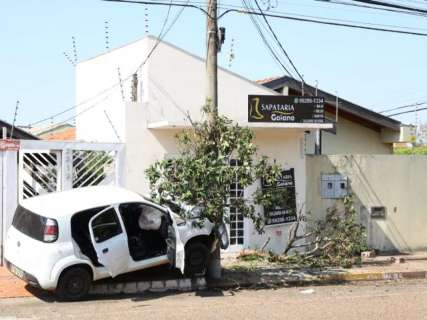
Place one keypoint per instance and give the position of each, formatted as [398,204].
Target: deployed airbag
[150,219]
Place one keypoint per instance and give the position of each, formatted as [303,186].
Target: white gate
[46,166]
[40,167]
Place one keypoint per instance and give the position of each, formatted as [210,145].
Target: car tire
[73,284]
[196,258]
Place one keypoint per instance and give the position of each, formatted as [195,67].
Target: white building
[171,85]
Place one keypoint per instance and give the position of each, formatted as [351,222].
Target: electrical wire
[278,41]
[266,43]
[405,112]
[404,107]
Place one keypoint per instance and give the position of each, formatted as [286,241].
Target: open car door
[109,241]
[176,252]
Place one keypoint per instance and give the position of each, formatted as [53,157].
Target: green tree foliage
[201,174]
[411,151]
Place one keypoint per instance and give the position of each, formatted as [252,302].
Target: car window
[106,226]
[29,223]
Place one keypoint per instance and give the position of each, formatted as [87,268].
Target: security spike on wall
[231,55]
[107,35]
[69,59]
[73,39]
[147,31]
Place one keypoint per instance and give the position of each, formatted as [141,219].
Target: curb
[319,280]
[183,285]
[198,284]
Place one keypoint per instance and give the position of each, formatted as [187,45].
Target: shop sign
[285,109]
[288,213]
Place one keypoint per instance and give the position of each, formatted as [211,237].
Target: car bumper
[23,275]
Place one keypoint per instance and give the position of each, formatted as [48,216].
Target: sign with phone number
[283,215]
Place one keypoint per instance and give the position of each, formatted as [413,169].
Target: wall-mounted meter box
[378,212]
[333,186]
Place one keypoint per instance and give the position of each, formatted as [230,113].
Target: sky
[374,69]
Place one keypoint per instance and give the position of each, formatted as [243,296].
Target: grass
[411,151]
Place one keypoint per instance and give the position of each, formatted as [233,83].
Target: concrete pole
[212,57]
[214,267]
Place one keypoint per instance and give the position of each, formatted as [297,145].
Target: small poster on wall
[288,213]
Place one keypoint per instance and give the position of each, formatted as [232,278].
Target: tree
[201,174]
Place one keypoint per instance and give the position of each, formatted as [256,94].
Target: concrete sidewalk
[237,274]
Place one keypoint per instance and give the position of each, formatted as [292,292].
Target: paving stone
[171,284]
[185,284]
[143,286]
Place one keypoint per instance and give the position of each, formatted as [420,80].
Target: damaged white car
[64,241]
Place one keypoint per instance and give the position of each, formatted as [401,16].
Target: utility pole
[212,57]
[212,44]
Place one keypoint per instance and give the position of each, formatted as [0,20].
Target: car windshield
[175,207]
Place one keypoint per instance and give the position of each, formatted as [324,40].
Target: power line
[405,106]
[267,44]
[405,112]
[278,41]
[391,5]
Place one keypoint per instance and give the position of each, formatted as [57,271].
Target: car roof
[66,203]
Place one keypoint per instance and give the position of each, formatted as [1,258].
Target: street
[367,300]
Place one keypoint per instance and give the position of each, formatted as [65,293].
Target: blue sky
[376,70]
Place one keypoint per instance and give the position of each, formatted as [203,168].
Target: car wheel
[73,284]
[196,258]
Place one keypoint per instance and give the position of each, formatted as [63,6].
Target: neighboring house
[357,130]
[170,87]
[18,133]
[63,131]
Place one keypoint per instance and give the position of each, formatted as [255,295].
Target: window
[106,226]
[236,217]
[29,223]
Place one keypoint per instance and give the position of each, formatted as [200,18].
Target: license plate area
[17,272]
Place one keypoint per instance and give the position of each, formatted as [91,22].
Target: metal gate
[46,166]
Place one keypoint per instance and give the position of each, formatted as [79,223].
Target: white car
[63,241]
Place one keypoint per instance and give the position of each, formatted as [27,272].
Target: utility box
[378,212]
[333,186]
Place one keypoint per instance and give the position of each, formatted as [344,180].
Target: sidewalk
[237,274]
[243,275]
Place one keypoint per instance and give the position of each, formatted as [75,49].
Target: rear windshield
[29,223]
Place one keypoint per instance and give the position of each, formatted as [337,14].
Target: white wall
[145,146]
[397,182]
[95,77]
[171,83]
[177,85]
[351,137]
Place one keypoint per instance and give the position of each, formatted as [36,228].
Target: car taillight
[50,233]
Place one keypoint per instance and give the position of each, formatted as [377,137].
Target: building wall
[98,90]
[145,146]
[177,87]
[352,138]
[399,183]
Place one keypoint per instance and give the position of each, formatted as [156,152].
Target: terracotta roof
[68,134]
[266,80]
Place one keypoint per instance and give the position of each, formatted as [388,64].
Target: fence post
[119,167]
[66,169]
[10,193]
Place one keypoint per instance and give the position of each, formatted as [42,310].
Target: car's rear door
[110,241]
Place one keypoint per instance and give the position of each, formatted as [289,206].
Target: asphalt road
[393,300]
